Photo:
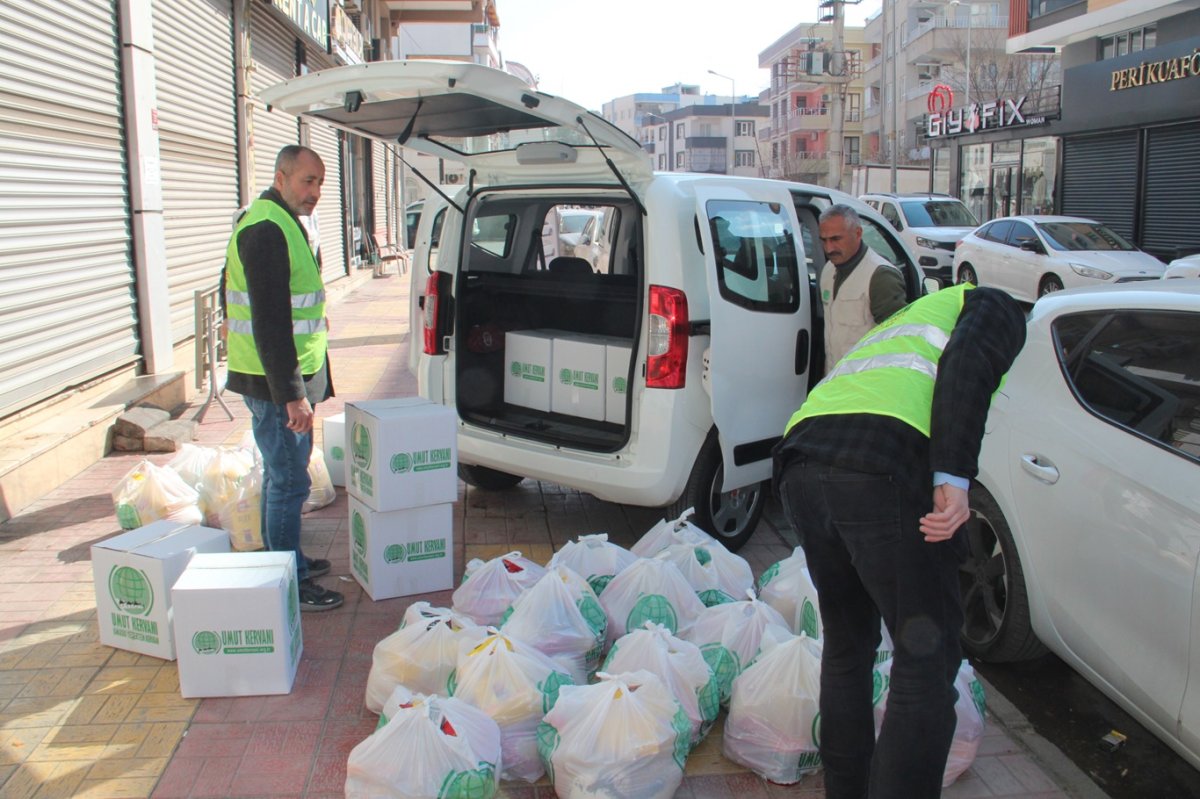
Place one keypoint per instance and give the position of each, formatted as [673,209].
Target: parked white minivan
[662,381]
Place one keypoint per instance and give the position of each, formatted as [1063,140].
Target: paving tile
[17,744]
[269,776]
[215,777]
[124,787]
[178,777]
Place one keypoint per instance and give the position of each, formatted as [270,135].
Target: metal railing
[210,347]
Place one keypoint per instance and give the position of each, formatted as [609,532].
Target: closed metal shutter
[1172,191]
[1100,179]
[324,140]
[197,130]
[273,54]
[67,304]
[379,188]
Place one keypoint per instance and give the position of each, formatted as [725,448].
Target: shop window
[1039,169]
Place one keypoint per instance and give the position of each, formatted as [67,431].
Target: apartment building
[697,137]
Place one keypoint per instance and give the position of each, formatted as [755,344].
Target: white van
[663,380]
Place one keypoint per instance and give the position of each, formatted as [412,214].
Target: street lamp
[732,121]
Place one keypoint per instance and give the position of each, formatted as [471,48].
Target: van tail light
[667,351]
[435,301]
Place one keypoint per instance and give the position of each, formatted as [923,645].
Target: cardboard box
[402,552]
[333,445]
[617,353]
[403,453]
[134,572]
[579,376]
[527,354]
[237,619]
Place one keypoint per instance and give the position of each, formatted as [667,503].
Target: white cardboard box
[403,453]
[237,619]
[402,552]
[527,354]
[617,353]
[578,385]
[333,446]
[134,572]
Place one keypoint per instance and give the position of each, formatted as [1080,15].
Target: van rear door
[759,314]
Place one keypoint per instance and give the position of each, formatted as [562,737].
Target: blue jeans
[868,561]
[285,478]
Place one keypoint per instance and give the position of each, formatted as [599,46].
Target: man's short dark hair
[287,156]
[845,212]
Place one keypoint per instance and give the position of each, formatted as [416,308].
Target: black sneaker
[317,567]
[315,597]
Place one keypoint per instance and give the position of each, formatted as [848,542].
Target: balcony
[945,38]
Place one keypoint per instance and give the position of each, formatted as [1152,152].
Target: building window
[662,133]
[745,127]
[743,158]
[678,160]
[850,149]
[662,161]
[1040,8]
[1126,42]
[679,130]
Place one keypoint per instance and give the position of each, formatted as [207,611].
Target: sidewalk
[79,719]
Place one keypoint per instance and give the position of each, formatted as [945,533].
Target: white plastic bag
[240,513]
[594,558]
[431,748]
[190,462]
[516,685]
[969,710]
[490,587]
[670,531]
[729,636]
[626,737]
[422,654]
[716,574]
[650,590]
[322,492]
[148,493]
[787,586]
[561,616]
[679,664]
[771,728]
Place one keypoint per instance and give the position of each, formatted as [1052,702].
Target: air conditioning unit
[453,178]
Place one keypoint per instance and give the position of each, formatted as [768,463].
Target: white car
[1187,266]
[571,224]
[1031,256]
[1085,529]
[930,224]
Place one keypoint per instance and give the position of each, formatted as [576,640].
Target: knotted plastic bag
[148,493]
[240,512]
[716,574]
[670,531]
[594,558]
[625,737]
[679,664]
[516,685]
[190,462]
[561,616]
[787,586]
[729,636]
[490,587]
[650,590]
[422,654]
[773,722]
[431,748]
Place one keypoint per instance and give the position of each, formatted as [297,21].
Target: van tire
[487,479]
[730,517]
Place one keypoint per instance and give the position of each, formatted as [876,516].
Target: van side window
[755,254]
[435,239]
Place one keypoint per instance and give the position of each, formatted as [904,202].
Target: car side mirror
[1032,245]
[931,284]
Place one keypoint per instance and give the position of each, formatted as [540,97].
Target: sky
[592,52]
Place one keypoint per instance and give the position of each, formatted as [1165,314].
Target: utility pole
[837,68]
[894,136]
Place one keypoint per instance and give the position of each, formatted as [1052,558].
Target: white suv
[930,224]
[661,380]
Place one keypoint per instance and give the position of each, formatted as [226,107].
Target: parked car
[930,224]
[1085,528]
[571,225]
[710,338]
[1031,256]
[1187,266]
[595,242]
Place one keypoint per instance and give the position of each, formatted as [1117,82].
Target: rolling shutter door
[273,53]
[324,140]
[379,187]
[197,129]
[1100,179]
[1172,187]
[67,301]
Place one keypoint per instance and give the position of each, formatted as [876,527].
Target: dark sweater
[264,253]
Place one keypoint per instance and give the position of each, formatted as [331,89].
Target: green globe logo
[564,376]
[547,741]
[652,607]
[808,620]
[127,517]
[768,576]
[594,615]
[206,642]
[725,665]
[358,529]
[703,556]
[360,445]
[515,369]
[713,597]
[338,454]
[599,582]
[618,385]
[394,553]
[550,686]
[978,698]
[682,726]
[401,463]
[293,603]
[878,686]
[477,784]
[130,591]
[709,700]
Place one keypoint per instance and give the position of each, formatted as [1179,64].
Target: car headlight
[930,243]
[1091,271]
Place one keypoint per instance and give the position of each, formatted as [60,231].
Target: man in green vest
[278,341]
[873,472]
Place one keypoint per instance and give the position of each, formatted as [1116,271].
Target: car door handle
[1040,468]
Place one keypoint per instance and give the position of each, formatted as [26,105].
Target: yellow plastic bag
[241,513]
[148,493]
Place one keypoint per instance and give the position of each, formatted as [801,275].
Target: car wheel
[966,274]
[1049,285]
[728,516]
[487,479]
[996,625]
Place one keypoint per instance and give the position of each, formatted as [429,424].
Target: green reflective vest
[307,291]
[891,371]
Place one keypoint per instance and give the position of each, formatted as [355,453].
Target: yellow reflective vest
[891,371]
[307,294]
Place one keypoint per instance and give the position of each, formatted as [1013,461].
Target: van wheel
[729,516]
[487,479]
